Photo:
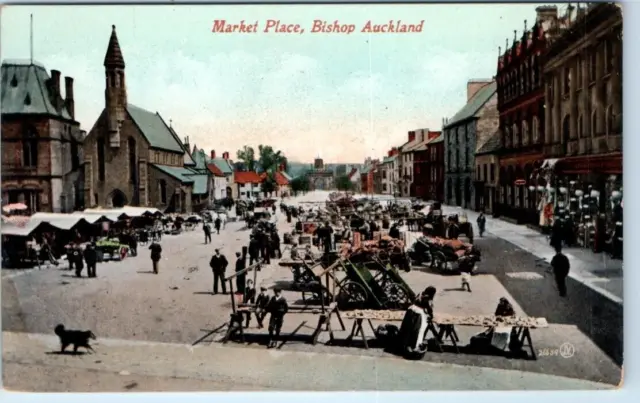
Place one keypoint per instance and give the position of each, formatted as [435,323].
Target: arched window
[580,126]
[516,136]
[611,119]
[566,131]
[101,161]
[566,81]
[133,169]
[121,79]
[535,130]
[162,189]
[30,147]
[594,124]
[527,77]
[112,79]
[525,133]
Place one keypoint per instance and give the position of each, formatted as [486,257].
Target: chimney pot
[68,94]
[213,154]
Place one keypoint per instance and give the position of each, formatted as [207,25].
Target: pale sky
[311,94]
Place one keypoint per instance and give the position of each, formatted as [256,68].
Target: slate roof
[386,160]
[200,184]
[473,106]
[243,177]
[24,90]
[223,165]
[155,130]
[491,145]
[184,175]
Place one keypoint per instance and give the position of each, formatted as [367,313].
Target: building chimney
[68,97]
[412,136]
[213,154]
[473,86]
[225,155]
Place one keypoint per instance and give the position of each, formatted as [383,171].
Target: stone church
[132,156]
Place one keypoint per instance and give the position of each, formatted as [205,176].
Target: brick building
[41,140]
[464,134]
[488,174]
[405,163]
[132,156]
[522,121]
[428,168]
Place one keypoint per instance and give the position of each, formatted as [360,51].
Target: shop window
[485,168]
[492,172]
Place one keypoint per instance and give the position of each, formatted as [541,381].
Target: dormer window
[14,81]
[27,99]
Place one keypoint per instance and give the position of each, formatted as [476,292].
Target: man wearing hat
[277,308]
[218,265]
[241,279]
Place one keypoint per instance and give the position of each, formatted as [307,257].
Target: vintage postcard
[289,197]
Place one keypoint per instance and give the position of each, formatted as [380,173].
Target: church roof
[473,106]
[24,90]
[113,57]
[156,131]
[184,175]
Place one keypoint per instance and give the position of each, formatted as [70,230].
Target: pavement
[128,302]
[31,363]
[595,270]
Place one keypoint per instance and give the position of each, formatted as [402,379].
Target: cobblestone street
[128,302]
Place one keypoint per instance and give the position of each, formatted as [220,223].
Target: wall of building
[116,163]
[248,190]
[173,186]
[219,189]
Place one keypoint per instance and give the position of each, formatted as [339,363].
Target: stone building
[319,177]
[41,140]
[132,156]
[464,134]
[488,174]
[522,121]
[583,96]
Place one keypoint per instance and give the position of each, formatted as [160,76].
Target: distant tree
[248,158]
[299,184]
[269,185]
[343,182]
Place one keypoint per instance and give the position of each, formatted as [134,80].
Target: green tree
[248,157]
[344,183]
[269,185]
[270,159]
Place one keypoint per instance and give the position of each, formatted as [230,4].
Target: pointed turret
[113,57]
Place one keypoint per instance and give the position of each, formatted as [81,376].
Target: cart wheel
[439,261]
[352,295]
[325,294]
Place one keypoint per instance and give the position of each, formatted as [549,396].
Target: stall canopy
[26,228]
[124,212]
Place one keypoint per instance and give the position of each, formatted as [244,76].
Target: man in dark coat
[91,258]
[218,223]
[156,255]
[261,305]
[218,265]
[394,231]
[76,255]
[277,308]
[326,235]
[560,265]
[265,246]
[275,239]
[254,250]
[207,233]
[288,211]
[241,279]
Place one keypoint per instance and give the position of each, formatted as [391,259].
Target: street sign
[520,182]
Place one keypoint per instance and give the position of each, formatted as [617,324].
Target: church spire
[114,58]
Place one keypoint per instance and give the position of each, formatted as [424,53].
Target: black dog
[78,338]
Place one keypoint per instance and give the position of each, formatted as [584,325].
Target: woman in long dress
[411,337]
